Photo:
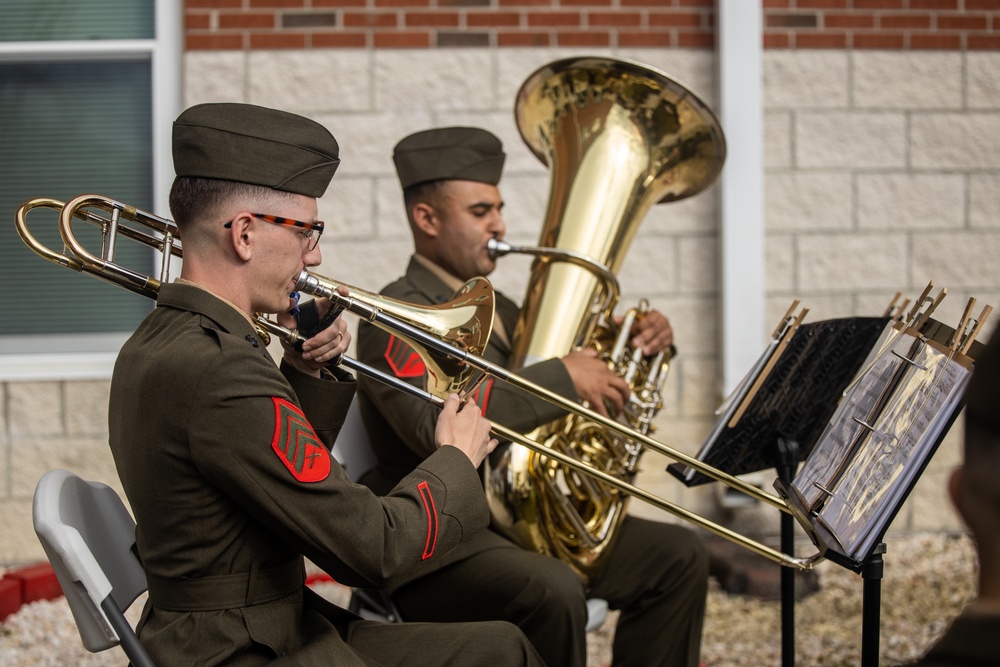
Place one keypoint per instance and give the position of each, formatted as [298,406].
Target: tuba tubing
[609,281]
[426,342]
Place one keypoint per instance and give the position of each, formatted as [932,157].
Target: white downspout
[743,294]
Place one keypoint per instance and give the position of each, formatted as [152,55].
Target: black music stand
[888,425]
[891,421]
[786,401]
[818,395]
[788,460]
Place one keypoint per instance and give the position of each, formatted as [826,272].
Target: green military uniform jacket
[406,415]
[973,640]
[225,461]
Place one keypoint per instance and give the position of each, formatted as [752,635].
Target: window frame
[94,354]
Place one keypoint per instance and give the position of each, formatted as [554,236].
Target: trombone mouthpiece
[310,284]
[497,248]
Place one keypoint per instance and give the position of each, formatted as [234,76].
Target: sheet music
[878,440]
[831,449]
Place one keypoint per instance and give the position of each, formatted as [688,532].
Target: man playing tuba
[657,573]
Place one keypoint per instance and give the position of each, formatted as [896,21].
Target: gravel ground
[928,579]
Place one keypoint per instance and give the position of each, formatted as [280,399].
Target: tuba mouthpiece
[497,248]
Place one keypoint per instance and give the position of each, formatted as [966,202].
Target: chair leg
[374,604]
[130,643]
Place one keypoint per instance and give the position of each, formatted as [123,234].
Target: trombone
[448,349]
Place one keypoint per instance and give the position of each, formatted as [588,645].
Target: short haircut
[429,192]
[194,199]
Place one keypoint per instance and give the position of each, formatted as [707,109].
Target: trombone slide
[104,268]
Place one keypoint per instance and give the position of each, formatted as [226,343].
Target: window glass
[62,20]
[70,128]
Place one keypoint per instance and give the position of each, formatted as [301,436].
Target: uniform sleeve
[324,401]
[522,411]
[253,441]
[413,421]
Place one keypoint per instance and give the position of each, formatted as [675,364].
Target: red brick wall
[789,24]
[882,24]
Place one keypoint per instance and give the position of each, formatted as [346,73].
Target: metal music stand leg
[788,458]
[871,572]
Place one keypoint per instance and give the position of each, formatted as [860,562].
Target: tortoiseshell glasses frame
[313,229]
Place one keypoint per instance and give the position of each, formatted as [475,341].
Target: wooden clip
[784,320]
[959,332]
[926,314]
[786,336]
[919,302]
[967,343]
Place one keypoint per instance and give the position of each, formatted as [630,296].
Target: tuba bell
[618,137]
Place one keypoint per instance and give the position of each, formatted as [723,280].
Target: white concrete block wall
[46,425]
[893,170]
[882,173]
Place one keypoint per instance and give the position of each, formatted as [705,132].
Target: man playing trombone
[657,574]
[226,459]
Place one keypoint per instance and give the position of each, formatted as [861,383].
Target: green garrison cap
[982,398]
[255,145]
[449,153]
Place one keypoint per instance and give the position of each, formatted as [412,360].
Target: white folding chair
[89,538]
[353,450]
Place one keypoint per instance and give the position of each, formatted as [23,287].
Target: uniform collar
[192,297]
[183,281]
[450,281]
[426,281]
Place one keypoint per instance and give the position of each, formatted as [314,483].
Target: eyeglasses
[313,230]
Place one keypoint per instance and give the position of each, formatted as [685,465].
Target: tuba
[617,137]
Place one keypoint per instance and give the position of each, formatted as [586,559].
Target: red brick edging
[27,584]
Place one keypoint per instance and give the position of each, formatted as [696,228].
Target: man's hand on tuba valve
[651,332]
[595,383]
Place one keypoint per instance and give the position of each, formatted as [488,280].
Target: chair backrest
[88,536]
[353,448]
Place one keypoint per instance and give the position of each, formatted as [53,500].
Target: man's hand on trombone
[328,337]
[461,424]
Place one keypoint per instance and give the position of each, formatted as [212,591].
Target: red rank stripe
[432,521]
[482,395]
[297,445]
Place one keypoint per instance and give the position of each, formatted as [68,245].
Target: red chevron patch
[403,360]
[432,520]
[297,445]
